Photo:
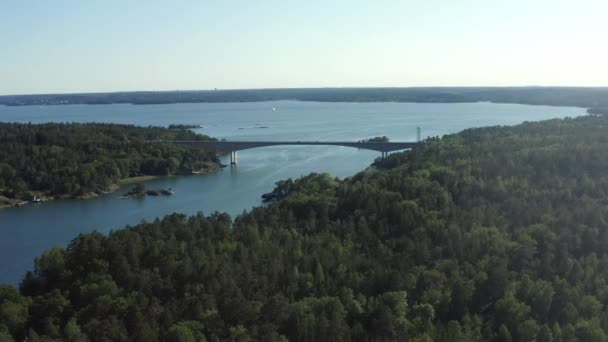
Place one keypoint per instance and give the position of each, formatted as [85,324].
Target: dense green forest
[77,159]
[492,234]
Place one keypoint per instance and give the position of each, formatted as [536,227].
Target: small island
[257,126]
[140,191]
[183,127]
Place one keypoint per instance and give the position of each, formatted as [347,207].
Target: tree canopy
[376,139]
[75,159]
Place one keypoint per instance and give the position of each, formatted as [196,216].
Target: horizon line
[299,88]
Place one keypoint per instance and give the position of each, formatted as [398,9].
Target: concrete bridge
[234,146]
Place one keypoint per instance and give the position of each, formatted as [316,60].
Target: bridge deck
[243,145]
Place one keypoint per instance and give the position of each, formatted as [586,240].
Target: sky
[63,46]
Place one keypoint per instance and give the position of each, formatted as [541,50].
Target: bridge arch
[234,146]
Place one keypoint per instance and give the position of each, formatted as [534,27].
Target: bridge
[234,146]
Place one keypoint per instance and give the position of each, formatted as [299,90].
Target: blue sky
[84,46]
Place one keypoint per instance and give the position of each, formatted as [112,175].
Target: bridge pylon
[234,158]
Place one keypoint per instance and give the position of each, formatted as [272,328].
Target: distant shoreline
[593,98]
[320,101]
[590,110]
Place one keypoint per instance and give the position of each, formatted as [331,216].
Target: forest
[79,159]
[492,234]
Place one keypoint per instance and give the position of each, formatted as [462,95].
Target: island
[182,126]
[140,191]
[39,162]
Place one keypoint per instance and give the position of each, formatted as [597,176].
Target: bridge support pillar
[234,158]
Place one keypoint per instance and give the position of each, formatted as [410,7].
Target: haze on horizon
[65,46]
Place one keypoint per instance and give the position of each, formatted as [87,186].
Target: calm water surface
[27,231]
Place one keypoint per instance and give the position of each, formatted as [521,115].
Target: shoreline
[6,202]
[590,109]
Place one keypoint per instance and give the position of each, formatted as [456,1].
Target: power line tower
[418,133]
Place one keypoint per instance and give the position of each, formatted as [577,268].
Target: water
[28,231]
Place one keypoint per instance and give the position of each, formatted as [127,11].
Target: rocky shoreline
[39,197]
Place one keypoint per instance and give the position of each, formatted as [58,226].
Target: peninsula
[39,162]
